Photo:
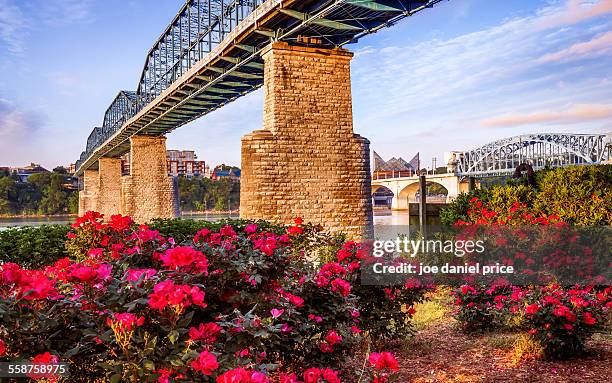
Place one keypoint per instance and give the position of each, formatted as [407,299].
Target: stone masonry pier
[147,193]
[307,161]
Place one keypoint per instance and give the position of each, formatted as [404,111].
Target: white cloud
[573,114]
[66,12]
[13,27]
[16,123]
[414,77]
[573,12]
[598,46]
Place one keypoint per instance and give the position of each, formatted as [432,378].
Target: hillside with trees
[42,193]
[199,194]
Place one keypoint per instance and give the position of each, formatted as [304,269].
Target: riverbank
[210,212]
[41,216]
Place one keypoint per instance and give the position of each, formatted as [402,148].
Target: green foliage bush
[222,305]
[502,197]
[33,247]
[458,209]
[579,195]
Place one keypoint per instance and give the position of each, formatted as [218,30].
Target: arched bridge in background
[541,150]
[501,158]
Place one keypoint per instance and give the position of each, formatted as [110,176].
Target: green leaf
[186,320]
[148,365]
[173,336]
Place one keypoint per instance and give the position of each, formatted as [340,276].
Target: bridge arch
[538,150]
[405,188]
[382,196]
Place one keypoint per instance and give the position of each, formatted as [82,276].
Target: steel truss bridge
[538,150]
[209,55]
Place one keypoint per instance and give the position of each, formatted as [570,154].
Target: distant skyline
[454,77]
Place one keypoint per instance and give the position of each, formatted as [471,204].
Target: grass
[434,309]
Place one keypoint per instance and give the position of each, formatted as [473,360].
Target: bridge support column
[88,197]
[109,186]
[307,161]
[148,192]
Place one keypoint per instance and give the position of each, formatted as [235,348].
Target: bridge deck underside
[212,77]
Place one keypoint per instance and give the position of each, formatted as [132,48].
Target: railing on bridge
[383,175]
[221,40]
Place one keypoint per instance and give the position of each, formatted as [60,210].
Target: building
[184,163]
[71,168]
[24,172]
[395,167]
[222,172]
[180,163]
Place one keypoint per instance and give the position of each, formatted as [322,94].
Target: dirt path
[441,353]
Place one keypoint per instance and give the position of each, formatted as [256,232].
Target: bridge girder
[211,43]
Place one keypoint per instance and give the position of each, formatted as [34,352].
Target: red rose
[206,363]
[532,309]
[384,360]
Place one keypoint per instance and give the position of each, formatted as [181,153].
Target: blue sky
[459,75]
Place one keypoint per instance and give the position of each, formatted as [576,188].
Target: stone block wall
[88,197]
[307,161]
[109,186]
[148,192]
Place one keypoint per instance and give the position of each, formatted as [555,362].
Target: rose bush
[230,305]
[559,317]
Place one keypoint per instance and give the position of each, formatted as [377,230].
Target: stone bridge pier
[307,161]
[147,192]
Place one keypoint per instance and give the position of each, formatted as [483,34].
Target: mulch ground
[442,353]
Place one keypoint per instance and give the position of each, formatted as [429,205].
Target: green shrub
[33,247]
[184,229]
[457,210]
[579,195]
[503,197]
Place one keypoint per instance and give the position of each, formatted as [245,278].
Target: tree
[54,198]
[72,203]
[7,193]
[197,194]
[60,170]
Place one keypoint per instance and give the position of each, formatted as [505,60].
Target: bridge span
[501,158]
[405,189]
[306,161]
[540,150]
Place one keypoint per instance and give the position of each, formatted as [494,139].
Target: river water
[384,218]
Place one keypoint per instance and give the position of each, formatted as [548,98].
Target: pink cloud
[574,12]
[574,114]
[598,46]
